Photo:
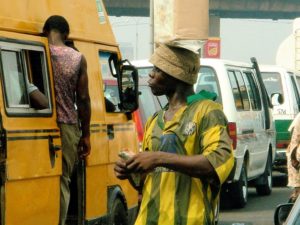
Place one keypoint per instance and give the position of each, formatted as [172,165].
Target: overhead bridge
[259,9]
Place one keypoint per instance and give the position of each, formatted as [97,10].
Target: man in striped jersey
[187,152]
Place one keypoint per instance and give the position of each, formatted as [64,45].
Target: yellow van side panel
[30,202]
[99,146]
[96,191]
[28,159]
[99,141]
[85,21]
[104,153]
[95,82]
[124,139]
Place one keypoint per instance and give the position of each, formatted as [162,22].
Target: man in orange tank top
[71,87]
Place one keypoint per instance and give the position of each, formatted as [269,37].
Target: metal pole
[151,26]
[136,38]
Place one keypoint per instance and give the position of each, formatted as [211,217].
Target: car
[288,213]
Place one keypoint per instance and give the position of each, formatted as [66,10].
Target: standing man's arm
[84,109]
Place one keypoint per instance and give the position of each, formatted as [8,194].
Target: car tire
[266,184]
[118,214]
[239,190]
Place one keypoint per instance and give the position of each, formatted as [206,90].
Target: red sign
[212,48]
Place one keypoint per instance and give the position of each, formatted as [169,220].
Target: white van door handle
[248,131]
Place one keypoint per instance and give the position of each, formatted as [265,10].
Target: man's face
[160,82]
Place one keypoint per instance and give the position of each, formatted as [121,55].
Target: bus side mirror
[276,99]
[128,88]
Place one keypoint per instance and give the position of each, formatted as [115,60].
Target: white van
[245,105]
[280,80]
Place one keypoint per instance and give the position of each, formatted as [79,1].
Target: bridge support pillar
[214,26]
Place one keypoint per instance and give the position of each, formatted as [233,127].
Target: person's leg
[69,139]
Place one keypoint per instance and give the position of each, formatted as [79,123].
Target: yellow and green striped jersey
[174,198]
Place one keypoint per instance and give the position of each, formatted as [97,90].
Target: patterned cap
[177,62]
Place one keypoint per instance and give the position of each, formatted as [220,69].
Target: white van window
[243,90]
[239,90]
[235,90]
[207,80]
[144,71]
[23,66]
[253,92]
[273,83]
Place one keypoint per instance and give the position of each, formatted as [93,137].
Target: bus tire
[118,214]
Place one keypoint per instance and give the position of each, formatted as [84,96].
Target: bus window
[23,66]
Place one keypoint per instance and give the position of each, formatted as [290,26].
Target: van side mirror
[281,213]
[128,88]
[276,99]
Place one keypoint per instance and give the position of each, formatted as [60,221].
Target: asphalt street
[259,209]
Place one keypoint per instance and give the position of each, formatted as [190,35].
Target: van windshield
[144,71]
[298,80]
[272,81]
[208,81]
[147,103]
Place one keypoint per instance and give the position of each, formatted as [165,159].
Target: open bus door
[30,140]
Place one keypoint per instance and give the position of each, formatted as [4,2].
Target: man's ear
[65,36]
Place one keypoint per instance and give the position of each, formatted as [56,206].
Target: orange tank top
[66,66]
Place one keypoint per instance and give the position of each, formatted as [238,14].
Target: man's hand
[84,147]
[143,162]
[121,170]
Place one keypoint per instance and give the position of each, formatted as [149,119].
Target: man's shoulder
[206,105]
[64,50]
